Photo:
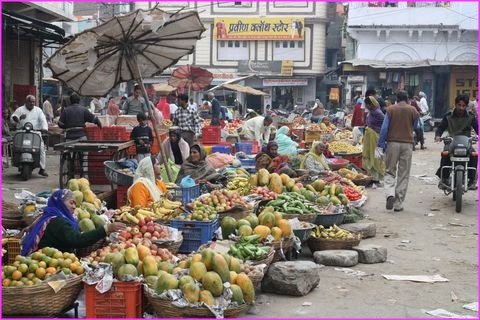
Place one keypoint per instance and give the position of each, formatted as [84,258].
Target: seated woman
[146,188]
[270,159]
[315,161]
[175,148]
[197,167]
[57,227]
[285,144]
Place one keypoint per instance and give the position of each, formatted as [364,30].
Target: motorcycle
[26,150]
[459,150]
[427,121]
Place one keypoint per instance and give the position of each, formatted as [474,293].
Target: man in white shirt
[33,114]
[423,103]
[193,105]
[173,108]
[258,128]
[48,109]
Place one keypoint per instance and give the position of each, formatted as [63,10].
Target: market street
[440,241]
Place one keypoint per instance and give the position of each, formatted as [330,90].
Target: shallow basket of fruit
[333,238]
[165,309]
[172,246]
[83,252]
[40,299]
[266,259]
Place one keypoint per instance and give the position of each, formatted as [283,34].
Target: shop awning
[17,24]
[244,89]
[231,81]
[405,64]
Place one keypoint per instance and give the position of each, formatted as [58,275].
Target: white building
[229,58]
[414,46]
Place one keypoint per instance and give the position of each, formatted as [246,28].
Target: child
[143,137]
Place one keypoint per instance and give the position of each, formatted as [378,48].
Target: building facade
[414,46]
[245,38]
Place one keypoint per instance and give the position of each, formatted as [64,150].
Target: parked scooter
[460,151]
[427,122]
[26,150]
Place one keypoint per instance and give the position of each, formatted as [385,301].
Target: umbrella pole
[138,77]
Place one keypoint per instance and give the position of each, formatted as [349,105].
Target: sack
[187,182]
[174,170]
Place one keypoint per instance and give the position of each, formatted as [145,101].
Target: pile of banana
[239,182]
[349,174]
[163,209]
[334,232]
[343,147]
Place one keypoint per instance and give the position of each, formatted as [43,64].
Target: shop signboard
[261,67]
[285,82]
[334,94]
[463,81]
[256,28]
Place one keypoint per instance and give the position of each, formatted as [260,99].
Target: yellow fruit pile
[32,270]
[343,147]
[334,232]
[349,174]
[164,209]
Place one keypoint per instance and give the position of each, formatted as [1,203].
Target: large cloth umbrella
[191,77]
[139,44]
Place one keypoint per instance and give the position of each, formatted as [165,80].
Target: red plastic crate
[211,135]
[123,300]
[94,133]
[300,133]
[355,159]
[122,198]
[114,133]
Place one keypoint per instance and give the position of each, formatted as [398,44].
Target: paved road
[441,242]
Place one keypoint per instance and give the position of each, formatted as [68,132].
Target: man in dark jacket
[458,122]
[73,119]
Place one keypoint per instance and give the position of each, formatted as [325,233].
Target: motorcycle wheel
[458,192]
[26,172]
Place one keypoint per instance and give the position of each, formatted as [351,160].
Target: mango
[73,184]
[131,256]
[207,258]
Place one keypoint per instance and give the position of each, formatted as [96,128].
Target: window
[238,3]
[232,50]
[289,50]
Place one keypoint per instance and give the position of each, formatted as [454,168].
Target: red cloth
[164,107]
[357,118]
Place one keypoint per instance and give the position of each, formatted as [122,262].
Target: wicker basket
[267,260]
[319,244]
[301,217]
[83,252]
[237,213]
[40,300]
[13,223]
[173,247]
[285,245]
[257,280]
[13,247]
[165,309]
[362,182]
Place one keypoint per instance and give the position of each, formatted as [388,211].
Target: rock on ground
[367,229]
[294,278]
[337,258]
[371,253]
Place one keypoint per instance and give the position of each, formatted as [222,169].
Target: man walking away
[396,137]
[187,120]
[215,109]
[33,114]
[73,119]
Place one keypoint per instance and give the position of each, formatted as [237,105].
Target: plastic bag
[187,182]
[174,170]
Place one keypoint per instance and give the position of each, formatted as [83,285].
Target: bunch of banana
[134,215]
[166,209]
[334,232]
[241,185]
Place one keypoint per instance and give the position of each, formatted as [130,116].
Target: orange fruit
[18,258]
[16,264]
[30,276]
[16,275]
[32,267]
[53,263]
[6,282]
[40,273]
[51,270]
[57,255]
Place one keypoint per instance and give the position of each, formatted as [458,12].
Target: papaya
[253,219]
[89,196]
[246,285]
[131,256]
[191,292]
[73,185]
[98,204]
[212,282]
[151,281]
[207,258]
[166,282]
[323,201]
[253,180]
[245,230]
[266,218]
[333,188]
[263,177]
[237,294]
[207,298]
[78,197]
[335,201]
[164,266]
[127,269]
[285,227]
[269,209]
[83,183]
[220,266]
[275,184]
[116,259]
[150,267]
[184,280]
[198,270]
[276,233]
[228,225]
[184,264]
[310,196]
[338,190]
[143,251]
[318,185]
[233,277]
[227,258]
[290,184]
[234,265]
[284,178]
[197,257]
[82,214]
[262,231]
[278,215]
[243,222]
[311,188]
[89,207]
[86,225]
[97,221]
[140,267]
